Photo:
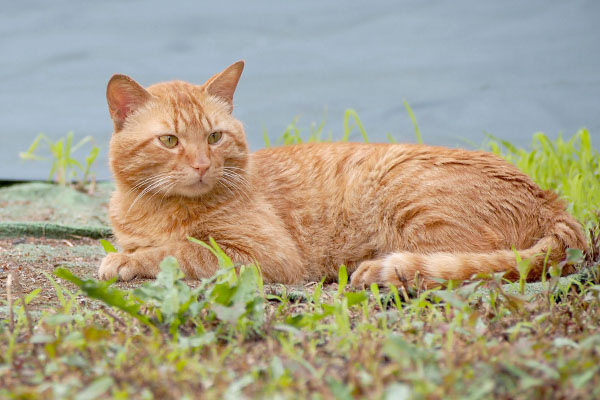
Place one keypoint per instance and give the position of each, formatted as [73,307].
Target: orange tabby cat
[387,211]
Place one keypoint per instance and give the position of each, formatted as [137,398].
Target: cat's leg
[434,248]
[195,261]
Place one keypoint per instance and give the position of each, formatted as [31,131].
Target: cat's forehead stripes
[185,109]
[184,103]
[206,123]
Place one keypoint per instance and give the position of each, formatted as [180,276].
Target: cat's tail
[403,267]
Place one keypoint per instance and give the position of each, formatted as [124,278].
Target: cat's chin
[197,189]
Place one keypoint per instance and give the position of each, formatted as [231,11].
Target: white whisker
[165,191]
[236,182]
[219,182]
[159,181]
[147,181]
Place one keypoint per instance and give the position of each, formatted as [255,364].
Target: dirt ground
[33,257]
[50,211]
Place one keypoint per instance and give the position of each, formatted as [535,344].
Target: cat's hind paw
[367,272]
[398,269]
[122,266]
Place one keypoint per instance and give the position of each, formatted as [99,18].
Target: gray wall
[509,68]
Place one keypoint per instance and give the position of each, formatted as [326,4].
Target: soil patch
[31,258]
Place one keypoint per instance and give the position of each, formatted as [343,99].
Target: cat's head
[176,138]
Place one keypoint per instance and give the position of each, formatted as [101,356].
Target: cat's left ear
[223,84]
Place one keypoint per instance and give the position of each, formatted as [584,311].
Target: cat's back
[321,168]
[327,162]
[311,157]
[357,177]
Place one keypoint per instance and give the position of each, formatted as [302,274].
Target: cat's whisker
[154,185]
[147,181]
[232,171]
[232,174]
[232,168]
[240,187]
[150,178]
[236,175]
[165,191]
[160,186]
[219,182]
[165,187]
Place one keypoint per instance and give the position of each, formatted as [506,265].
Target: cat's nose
[200,168]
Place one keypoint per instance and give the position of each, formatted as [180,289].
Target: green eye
[214,137]
[169,141]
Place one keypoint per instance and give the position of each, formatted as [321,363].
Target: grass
[232,336]
[570,167]
[65,168]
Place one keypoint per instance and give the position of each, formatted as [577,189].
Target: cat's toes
[119,265]
[367,272]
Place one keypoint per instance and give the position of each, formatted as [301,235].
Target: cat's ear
[223,84]
[124,95]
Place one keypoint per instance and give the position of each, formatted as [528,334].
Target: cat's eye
[214,137]
[169,141]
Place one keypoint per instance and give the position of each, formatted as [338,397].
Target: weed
[64,167]
[229,297]
[571,168]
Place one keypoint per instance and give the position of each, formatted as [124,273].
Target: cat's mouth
[199,183]
[195,188]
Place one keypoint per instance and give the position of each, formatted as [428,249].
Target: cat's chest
[158,224]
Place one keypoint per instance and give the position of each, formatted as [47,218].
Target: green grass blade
[351,113]
[414,121]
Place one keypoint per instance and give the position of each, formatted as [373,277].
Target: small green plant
[569,167]
[293,135]
[414,121]
[231,298]
[65,168]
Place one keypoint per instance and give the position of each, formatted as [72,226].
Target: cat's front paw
[123,266]
[367,272]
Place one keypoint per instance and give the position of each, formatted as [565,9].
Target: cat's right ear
[124,96]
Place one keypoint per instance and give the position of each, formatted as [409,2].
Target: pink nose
[201,168]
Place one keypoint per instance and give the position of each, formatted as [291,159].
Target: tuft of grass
[64,167]
[293,135]
[569,167]
[414,121]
